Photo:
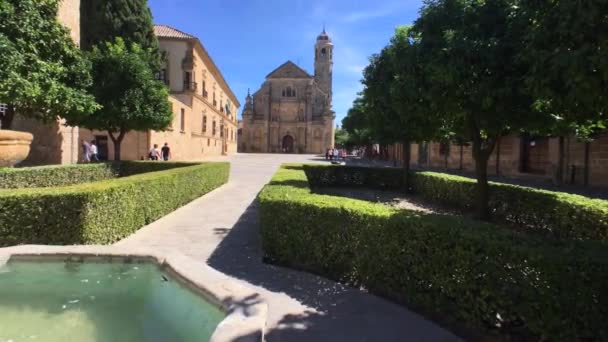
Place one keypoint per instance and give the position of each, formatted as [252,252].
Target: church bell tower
[324,61]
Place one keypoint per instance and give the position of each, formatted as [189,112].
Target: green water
[86,302]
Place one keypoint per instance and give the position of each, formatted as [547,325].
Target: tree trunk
[559,174]
[482,149]
[483,189]
[586,174]
[6,121]
[117,141]
[406,164]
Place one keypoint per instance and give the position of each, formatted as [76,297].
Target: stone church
[292,111]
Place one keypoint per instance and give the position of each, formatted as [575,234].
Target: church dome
[323,36]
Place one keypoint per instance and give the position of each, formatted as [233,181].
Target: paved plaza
[221,229]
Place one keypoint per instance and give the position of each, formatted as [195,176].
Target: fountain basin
[95,293]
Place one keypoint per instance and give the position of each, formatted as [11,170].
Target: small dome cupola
[324,36]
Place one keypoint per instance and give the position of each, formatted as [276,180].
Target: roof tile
[170,32]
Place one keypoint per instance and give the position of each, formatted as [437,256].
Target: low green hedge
[501,281]
[102,212]
[57,175]
[557,214]
[63,175]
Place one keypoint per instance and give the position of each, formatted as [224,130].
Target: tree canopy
[472,71]
[104,20]
[43,74]
[131,98]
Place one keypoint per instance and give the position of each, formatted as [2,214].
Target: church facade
[292,111]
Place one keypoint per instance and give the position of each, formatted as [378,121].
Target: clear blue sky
[247,39]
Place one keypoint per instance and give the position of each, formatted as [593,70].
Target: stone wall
[69,15]
[544,154]
[189,144]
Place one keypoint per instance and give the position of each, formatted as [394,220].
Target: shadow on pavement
[341,313]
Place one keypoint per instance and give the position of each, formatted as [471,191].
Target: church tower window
[289,92]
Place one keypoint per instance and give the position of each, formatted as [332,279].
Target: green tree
[398,107]
[342,138]
[131,98]
[471,50]
[567,49]
[43,74]
[355,123]
[104,20]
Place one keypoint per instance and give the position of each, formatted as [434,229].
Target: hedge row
[557,214]
[496,280]
[63,175]
[101,212]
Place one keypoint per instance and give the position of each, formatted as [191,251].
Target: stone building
[292,111]
[523,157]
[204,107]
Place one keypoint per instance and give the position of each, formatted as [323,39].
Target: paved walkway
[220,229]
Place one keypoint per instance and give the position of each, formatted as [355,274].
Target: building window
[204,90]
[182,120]
[213,128]
[323,52]
[221,131]
[161,76]
[208,142]
[214,101]
[289,92]
[222,106]
[204,123]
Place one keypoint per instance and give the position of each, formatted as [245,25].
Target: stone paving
[221,230]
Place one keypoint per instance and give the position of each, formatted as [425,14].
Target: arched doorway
[287,144]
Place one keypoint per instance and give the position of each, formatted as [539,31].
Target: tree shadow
[337,312]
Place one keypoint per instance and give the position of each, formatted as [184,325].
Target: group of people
[335,154]
[163,154]
[90,152]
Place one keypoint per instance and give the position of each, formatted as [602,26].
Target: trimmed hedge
[501,281]
[558,214]
[102,212]
[56,175]
[64,175]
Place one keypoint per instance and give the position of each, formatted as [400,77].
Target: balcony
[190,86]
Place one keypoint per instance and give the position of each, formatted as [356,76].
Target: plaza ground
[221,229]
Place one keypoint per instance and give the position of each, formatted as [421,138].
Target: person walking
[86,151]
[94,152]
[154,153]
[166,152]
[336,154]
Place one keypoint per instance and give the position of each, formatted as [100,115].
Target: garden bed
[556,214]
[496,281]
[106,211]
